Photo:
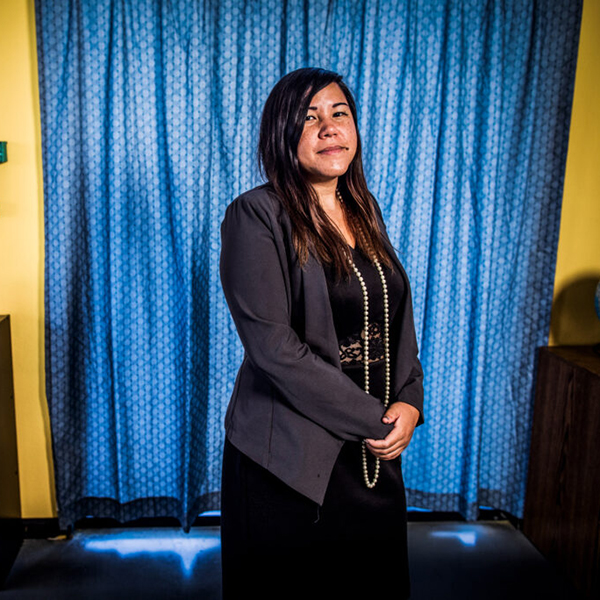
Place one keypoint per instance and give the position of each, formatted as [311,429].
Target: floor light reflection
[467,538]
[187,547]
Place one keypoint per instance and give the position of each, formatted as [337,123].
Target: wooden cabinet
[11,533]
[562,506]
[10,502]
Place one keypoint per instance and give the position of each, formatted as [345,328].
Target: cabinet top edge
[581,356]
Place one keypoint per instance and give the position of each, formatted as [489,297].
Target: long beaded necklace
[370,483]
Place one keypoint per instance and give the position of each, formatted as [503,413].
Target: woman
[330,389]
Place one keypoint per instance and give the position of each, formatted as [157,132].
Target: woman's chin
[325,176]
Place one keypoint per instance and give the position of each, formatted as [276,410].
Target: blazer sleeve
[409,373]
[255,281]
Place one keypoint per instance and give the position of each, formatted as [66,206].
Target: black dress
[278,543]
[374,518]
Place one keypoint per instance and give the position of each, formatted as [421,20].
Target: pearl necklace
[370,483]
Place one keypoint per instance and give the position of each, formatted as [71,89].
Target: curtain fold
[150,113]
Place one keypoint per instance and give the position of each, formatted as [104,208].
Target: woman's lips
[332,150]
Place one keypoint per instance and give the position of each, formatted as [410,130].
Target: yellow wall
[574,319]
[21,251]
[21,232]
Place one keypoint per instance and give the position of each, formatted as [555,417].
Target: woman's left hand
[404,417]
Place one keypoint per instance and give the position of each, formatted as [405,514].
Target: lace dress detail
[351,347]
[347,307]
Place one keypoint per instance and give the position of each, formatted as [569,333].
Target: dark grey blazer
[292,407]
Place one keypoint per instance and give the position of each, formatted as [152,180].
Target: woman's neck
[326,193]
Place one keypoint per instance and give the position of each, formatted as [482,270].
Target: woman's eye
[340,113]
[309,117]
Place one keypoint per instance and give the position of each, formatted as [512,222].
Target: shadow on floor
[487,561]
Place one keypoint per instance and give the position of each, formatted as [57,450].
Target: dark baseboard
[485,514]
[92,523]
[47,528]
[35,529]
[492,514]
[432,515]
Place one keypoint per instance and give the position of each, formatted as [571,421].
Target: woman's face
[328,142]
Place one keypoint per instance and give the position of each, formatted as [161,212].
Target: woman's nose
[328,128]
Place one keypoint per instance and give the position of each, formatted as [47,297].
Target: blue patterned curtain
[150,113]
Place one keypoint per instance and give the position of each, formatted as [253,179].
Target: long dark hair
[281,127]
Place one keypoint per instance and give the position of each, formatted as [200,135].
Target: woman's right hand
[405,418]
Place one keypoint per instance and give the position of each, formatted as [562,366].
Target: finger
[397,435]
[389,455]
[392,413]
[394,451]
[388,450]
[385,444]
[391,443]
[376,443]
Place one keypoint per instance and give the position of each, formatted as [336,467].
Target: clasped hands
[404,418]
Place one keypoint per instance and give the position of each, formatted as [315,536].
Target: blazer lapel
[318,318]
